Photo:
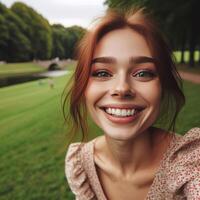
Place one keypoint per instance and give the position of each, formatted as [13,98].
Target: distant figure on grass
[126,79]
[41,82]
[51,83]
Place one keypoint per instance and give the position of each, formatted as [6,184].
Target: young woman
[126,79]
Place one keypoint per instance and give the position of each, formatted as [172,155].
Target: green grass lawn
[190,114]
[16,69]
[186,68]
[70,65]
[33,141]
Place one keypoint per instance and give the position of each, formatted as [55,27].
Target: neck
[131,155]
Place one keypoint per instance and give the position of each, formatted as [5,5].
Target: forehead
[122,44]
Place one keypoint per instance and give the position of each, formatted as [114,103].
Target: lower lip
[121,120]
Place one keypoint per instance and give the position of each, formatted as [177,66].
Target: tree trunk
[192,49]
[191,62]
[199,56]
[182,56]
[182,51]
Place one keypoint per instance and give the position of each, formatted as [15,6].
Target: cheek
[93,92]
[150,92]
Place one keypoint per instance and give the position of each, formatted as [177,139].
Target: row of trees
[178,19]
[26,35]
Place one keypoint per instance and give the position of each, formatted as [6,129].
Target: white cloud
[79,12]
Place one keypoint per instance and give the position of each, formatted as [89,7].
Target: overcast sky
[66,12]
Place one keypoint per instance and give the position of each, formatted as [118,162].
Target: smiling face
[123,92]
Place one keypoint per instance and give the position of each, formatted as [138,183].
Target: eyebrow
[132,60]
[142,59]
[106,60]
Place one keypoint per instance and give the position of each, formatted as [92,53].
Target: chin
[122,134]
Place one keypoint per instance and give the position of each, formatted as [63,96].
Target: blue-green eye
[101,73]
[145,75]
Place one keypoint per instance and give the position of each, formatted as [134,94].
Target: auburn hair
[140,21]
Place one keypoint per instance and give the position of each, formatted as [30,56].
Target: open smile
[122,115]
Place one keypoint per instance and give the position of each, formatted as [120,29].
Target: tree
[58,35]
[14,44]
[74,35]
[4,35]
[27,35]
[177,19]
[65,40]
[37,30]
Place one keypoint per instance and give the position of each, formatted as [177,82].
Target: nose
[122,89]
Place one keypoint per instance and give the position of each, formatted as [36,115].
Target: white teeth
[123,112]
[109,110]
[120,112]
[117,112]
[132,112]
[112,111]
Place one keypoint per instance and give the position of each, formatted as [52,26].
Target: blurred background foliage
[178,19]
[26,35]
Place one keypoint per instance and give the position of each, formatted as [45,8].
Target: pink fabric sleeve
[76,175]
[184,167]
[192,189]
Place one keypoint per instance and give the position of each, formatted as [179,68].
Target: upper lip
[123,106]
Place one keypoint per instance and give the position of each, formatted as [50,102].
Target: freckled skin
[121,45]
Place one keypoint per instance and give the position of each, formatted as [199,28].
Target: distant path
[194,78]
[53,73]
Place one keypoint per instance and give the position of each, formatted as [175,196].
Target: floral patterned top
[177,178]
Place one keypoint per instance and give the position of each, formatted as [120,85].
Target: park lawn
[70,66]
[187,68]
[33,140]
[190,114]
[16,69]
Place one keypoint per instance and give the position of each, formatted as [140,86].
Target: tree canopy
[178,19]
[14,45]
[27,35]
[65,40]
